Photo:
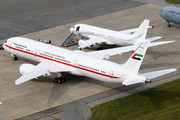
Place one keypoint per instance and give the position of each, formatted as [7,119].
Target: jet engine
[81,42]
[24,68]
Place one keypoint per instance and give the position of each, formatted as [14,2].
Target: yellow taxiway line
[49,13]
[13,15]
[40,5]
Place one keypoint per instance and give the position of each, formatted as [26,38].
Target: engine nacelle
[24,68]
[81,42]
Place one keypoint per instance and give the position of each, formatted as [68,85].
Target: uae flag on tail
[137,56]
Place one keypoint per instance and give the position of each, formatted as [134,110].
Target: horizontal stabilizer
[131,31]
[154,38]
[159,43]
[130,81]
[155,74]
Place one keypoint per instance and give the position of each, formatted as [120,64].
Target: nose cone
[161,13]
[4,46]
[71,30]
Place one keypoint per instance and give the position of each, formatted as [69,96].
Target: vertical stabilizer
[135,61]
[142,29]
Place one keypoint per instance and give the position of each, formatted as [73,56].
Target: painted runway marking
[49,13]
[77,9]
[13,15]
[40,5]
[69,102]
[102,3]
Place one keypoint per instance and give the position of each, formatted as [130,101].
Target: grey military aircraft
[170,14]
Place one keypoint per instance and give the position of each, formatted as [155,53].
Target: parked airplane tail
[135,61]
[142,30]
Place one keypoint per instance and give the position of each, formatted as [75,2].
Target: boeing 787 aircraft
[97,35]
[54,59]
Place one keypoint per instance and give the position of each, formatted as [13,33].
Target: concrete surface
[37,95]
[19,17]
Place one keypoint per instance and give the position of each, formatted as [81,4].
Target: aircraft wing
[154,38]
[42,68]
[90,42]
[130,31]
[114,51]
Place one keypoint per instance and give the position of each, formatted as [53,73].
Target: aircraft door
[111,73]
[77,30]
[75,63]
[35,52]
[10,44]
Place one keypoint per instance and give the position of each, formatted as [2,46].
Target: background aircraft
[97,35]
[90,64]
[170,14]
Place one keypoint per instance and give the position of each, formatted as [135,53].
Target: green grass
[158,103]
[173,1]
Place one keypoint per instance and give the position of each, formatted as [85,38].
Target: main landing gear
[59,79]
[99,48]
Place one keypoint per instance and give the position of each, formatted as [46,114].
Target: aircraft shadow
[72,80]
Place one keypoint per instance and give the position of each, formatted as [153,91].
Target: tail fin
[142,29]
[135,61]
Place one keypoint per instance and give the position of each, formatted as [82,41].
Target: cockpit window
[77,28]
[161,10]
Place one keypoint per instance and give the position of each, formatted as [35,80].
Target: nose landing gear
[15,58]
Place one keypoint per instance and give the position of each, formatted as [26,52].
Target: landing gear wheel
[59,81]
[169,25]
[63,79]
[15,58]
[99,48]
[55,80]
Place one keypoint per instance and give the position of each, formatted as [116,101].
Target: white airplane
[90,64]
[97,35]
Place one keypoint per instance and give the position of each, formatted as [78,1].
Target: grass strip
[173,1]
[161,102]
